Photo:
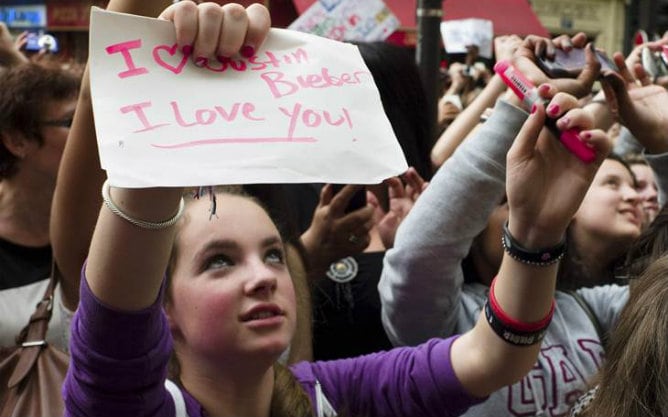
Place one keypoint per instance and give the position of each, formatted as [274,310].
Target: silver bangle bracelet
[106,197]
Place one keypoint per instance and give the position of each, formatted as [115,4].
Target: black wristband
[541,257]
[510,335]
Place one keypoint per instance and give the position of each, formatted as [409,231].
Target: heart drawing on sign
[171,50]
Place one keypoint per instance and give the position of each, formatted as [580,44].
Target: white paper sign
[457,34]
[352,20]
[303,109]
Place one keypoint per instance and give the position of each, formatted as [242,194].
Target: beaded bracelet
[541,257]
[513,331]
[106,197]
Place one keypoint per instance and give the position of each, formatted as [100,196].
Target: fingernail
[553,109]
[223,59]
[187,49]
[247,51]
[592,47]
[201,61]
[533,108]
[544,89]
[564,122]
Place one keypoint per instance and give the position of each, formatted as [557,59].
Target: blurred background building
[612,23]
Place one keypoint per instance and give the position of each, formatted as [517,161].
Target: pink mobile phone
[527,92]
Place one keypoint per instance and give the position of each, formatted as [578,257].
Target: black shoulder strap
[602,335]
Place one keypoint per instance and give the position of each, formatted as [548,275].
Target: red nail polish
[201,61]
[544,89]
[247,51]
[553,109]
[533,108]
[187,49]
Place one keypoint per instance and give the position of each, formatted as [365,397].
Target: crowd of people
[499,276]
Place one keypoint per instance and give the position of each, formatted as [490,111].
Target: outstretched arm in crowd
[76,201]
[545,186]
[641,109]
[469,118]
[10,50]
[422,276]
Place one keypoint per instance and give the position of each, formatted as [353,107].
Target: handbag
[32,372]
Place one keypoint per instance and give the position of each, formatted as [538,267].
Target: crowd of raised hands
[496,273]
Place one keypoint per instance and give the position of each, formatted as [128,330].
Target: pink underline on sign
[217,141]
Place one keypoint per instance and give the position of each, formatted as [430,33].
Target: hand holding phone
[528,93]
[569,64]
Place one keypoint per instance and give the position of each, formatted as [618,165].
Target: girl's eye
[218,262]
[612,183]
[275,256]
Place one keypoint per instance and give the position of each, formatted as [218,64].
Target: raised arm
[76,201]
[134,283]
[545,186]
[420,286]
[469,118]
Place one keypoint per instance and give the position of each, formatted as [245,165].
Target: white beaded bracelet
[106,197]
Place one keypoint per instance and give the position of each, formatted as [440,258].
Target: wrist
[530,250]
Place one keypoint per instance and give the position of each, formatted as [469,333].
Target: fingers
[233,33]
[576,118]
[340,200]
[210,20]
[185,17]
[642,75]
[525,142]
[614,87]
[395,188]
[623,67]
[560,104]
[579,40]
[563,42]
[212,31]
[415,184]
[259,23]
[599,141]
[589,73]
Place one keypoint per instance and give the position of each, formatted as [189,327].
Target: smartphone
[357,201]
[654,63]
[569,64]
[36,42]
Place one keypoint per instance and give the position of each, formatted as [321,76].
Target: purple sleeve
[408,381]
[118,360]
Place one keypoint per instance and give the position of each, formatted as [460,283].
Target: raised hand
[545,183]
[402,197]
[10,50]
[335,234]
[524,59]
[210,31]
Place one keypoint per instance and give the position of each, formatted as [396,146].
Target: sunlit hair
[288,397]
[25,92]
[634,379]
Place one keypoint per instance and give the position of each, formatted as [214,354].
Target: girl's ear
[18,145]
[169,312]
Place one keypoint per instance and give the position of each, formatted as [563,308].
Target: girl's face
[231,293]
[611,208]
[647,190]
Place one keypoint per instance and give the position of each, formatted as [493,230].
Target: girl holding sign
[227,305]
